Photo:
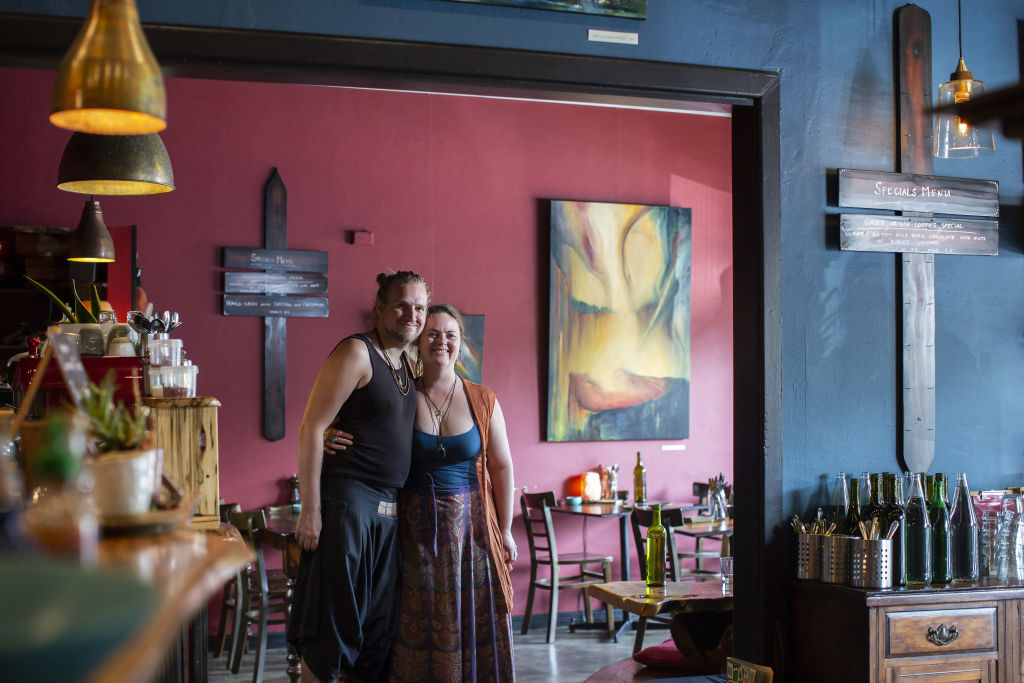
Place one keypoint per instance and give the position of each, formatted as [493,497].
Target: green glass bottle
[640,482]
[876,510]
[851,526]
[938,516]
[656,559]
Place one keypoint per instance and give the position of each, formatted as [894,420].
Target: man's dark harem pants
[345,608]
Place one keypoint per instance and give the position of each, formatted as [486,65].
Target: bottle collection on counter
[885,530]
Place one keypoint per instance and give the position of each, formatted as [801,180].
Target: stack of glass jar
[170,376]
[937,540]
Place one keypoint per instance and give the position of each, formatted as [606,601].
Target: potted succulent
[126,471]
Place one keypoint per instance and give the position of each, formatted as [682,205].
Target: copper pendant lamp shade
[115,165]
[109,82]
[91,241]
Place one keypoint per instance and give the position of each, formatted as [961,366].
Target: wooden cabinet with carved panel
[940,634]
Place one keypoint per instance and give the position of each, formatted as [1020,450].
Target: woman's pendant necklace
[438,414]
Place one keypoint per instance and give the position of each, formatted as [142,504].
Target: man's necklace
[438,414]
[403,386]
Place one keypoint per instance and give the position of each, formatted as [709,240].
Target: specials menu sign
[918,194]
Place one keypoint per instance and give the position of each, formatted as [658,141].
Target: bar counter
[186,567]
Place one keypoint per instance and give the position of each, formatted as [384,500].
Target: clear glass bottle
[656,559]
[840,500]
[938,516]
[640,482]
[919,535]
[966,536]
[894,512]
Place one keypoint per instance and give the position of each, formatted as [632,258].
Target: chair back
[540,532]
[226,509]
[640,519]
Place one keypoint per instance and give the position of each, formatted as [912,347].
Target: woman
[455,523]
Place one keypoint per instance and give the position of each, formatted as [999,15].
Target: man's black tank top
[380,420]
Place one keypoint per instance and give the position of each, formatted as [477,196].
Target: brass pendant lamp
[91,241]
[115,165]
[954,138]
[109,82]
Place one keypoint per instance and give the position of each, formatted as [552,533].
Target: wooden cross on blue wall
[269,290]
[917,235]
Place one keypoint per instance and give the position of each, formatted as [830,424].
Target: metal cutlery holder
[835,559]
[808,556]
[871,563]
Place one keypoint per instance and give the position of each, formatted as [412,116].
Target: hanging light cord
[959,29]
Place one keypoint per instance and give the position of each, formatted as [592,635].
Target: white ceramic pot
[123,482]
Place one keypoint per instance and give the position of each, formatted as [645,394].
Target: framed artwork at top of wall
[631,9]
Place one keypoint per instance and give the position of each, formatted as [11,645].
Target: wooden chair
[229,595]
[540,533]
[263,594]
[640,519]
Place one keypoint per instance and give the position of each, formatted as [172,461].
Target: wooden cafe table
[280,534]
[605,510]
[635,597]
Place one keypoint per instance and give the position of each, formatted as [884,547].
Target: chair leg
[609,611]
[553,609]
[241,636]
[529,600]
[261,641]
[641,629]
[588,610]
[226,605]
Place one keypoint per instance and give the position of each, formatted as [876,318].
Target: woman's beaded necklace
[403,386]
[438,414]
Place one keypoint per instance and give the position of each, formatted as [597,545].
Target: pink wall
[452,187]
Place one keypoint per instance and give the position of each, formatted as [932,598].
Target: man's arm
[347,368]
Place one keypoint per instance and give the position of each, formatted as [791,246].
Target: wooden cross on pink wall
[281,283]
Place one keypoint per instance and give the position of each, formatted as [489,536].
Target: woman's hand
[511,551]
[336,440]
[307,529]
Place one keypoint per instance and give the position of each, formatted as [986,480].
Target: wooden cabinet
[950,634]
[186,428]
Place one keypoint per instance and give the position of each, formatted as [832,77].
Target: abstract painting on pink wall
[619,345]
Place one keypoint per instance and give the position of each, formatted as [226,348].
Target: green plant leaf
[82,314]
[63,306]
[94,301]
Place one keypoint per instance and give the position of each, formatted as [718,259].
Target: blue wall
[839,320]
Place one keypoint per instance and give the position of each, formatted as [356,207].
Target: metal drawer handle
[941,635]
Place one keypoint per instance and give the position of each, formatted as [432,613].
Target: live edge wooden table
[186,567]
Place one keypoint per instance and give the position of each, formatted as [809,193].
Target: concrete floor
[570,659]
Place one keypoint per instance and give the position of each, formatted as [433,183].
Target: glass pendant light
[91,241]
[115,165]
[109,81]
[955,138]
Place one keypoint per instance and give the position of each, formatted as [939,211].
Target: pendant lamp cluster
[954,138]
[110,92]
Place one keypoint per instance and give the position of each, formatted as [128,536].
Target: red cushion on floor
[664,656]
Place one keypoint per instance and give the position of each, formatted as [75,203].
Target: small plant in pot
[126,472]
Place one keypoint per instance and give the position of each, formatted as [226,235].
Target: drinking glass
[726,563]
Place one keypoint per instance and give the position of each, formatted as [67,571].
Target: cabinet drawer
[952,630]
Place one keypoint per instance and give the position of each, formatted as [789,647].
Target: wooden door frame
[232,54]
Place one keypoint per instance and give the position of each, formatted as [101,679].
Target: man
[344,608]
